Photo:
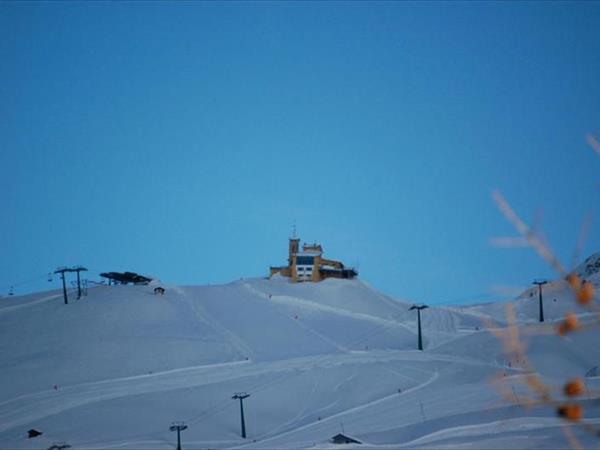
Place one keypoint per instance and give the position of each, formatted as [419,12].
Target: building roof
[349,271]
[308,254]
[126,277]
[343,439]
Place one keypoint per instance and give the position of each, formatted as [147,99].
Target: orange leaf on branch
[568,325]
[574,387]
[572,412]
[585,294]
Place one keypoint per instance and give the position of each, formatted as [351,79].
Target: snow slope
[114,369]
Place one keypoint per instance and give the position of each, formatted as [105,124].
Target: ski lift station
[310,265]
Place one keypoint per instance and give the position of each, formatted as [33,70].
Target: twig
[534,240]
[592,142]
[583,234]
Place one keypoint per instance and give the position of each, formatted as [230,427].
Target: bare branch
[592,142]
[534,240]
[583,234]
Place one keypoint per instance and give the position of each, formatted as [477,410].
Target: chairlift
[11,291]
[50,279]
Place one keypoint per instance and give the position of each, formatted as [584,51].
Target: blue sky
[183,140]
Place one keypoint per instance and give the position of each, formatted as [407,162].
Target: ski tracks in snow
[518,424]
[28,408]
[31,407]
[12,308]
[321,336]
[287,300]
[434,376]
[240,346]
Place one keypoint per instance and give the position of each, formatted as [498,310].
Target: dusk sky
[184,140]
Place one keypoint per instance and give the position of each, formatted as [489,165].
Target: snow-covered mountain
[114,369]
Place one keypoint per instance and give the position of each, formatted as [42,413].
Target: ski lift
[50,279]
[11,291]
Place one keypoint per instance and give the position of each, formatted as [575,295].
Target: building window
[305,260]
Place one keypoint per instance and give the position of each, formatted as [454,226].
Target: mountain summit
[116,368]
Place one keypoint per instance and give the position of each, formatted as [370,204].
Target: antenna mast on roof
[294,234]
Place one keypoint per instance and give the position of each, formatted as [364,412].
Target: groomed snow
[114,369]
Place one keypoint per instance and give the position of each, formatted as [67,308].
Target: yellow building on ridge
[309,264]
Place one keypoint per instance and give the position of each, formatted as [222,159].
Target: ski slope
[116,368]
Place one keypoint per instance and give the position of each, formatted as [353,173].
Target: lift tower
[241,396]
[419,308]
